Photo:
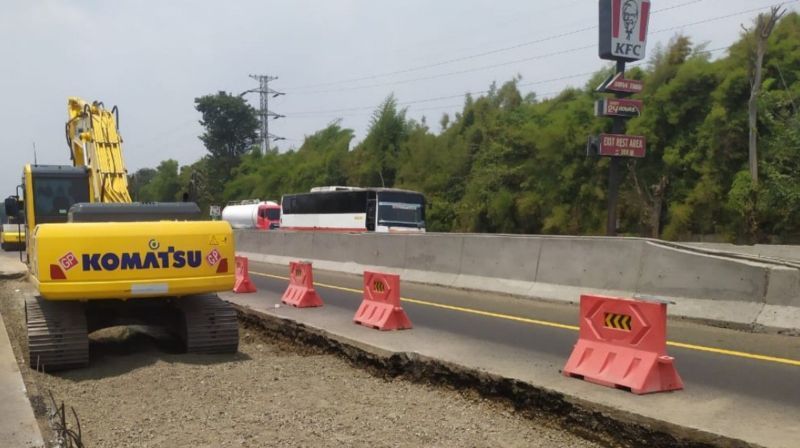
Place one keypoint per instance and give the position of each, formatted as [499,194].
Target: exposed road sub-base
[606,427]
[139,390]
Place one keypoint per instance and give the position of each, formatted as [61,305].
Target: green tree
[164,186]
[320,160]
[231,127]
[138,180]
[194,184]
[374,161]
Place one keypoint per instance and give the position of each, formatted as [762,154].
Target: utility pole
[264,93]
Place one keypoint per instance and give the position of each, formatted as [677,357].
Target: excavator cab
[53,190]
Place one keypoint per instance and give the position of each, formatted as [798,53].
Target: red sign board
[622,85]
[617,84]
[621,145]
[616,107]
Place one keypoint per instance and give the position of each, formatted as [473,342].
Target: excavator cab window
[53,196]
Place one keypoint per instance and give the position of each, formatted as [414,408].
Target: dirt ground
[140,392]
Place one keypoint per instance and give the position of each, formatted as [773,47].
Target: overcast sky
[334,59]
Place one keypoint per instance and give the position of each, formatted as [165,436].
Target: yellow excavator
[100,260]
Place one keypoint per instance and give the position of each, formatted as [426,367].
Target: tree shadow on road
[119,350]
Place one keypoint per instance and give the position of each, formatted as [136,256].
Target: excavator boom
[94,142]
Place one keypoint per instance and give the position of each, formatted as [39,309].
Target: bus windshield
[401,209]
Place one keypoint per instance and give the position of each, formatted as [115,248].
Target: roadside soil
[140,391]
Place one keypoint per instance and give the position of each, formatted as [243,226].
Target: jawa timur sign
[623,29]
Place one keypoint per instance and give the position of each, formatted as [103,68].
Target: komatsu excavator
[100,260]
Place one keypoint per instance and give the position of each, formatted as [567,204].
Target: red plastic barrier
[380,307]
[301,292]
[623,344]
[243,283]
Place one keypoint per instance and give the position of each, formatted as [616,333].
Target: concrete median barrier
[504,264]
[326,246]
[702,285]
[598,263]
[433,258]
[681,273]
[377,250]
[260,242]
[784,252]
[299,245]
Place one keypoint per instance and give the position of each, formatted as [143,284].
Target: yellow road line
[701,348]
[722,351]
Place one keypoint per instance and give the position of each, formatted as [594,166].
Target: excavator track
[209,326]
[57,334]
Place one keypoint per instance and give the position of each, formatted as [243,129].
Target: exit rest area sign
[623,29]
[621,145]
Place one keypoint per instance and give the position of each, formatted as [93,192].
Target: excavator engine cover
[147,211]
[122,260]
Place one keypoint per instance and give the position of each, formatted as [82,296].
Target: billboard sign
[616,83]
[623,29]
[621,145]
[215,211]
[618,107]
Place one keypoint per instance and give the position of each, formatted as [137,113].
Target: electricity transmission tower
[265,92]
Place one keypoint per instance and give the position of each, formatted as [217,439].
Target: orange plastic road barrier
[380,307]
[243,283]
[623,343]
[301,292]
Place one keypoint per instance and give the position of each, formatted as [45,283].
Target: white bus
[352,209]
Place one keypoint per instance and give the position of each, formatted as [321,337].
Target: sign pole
[623,38]
[614,167]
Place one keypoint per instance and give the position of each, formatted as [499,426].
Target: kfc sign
[623,29]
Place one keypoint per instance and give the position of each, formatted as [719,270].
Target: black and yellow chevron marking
[618,321]
[378,286]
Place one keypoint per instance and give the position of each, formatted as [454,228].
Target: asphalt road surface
[766,366]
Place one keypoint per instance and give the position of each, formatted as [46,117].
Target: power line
[541,96]
[439,98]
[714,19]
[471,70]
[326,113]
[704,21]
[447,62]
[469,57]
[518,17]
[537,57]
